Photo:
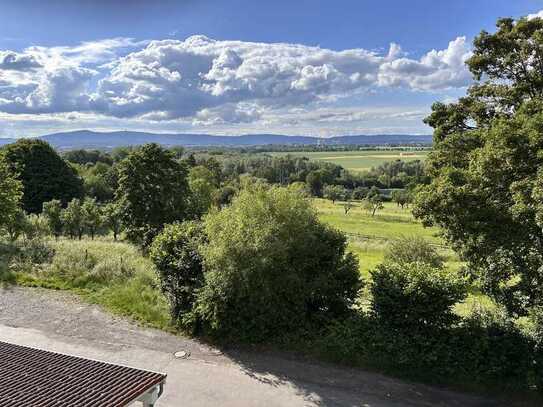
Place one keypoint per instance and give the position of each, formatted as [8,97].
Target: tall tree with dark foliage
[152,192]
[44,174]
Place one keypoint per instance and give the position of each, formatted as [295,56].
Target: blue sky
[232,67]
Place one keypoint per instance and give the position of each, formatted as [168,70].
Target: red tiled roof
[36,378]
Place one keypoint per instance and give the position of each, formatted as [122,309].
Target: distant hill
[107,140]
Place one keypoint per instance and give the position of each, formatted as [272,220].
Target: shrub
[414,295]
[272,267]
[474,354]
[413,249]
[176,254]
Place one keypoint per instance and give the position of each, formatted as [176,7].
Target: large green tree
[487,179]
[43,173]
[152,191]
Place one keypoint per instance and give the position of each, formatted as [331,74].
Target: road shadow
[323,384]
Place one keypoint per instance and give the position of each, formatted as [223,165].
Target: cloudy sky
[236,66]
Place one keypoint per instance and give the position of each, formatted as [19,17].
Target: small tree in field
[413,249]
[373,201]
[52,211]
[16,225]
[112,218]
[333,192]
[92,216]
[347,206]
[73,218]
[401,198]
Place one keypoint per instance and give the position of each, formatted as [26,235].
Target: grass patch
[388,223]
[112,274]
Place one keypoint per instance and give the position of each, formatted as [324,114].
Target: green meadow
[369,237]
[359,161]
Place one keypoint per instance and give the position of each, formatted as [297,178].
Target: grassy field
[369,235]
[358,161]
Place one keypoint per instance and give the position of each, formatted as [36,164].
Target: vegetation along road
[59,321]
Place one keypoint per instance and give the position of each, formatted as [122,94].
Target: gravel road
[59,321]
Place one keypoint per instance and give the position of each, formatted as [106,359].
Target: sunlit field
[359,161]
[369,237]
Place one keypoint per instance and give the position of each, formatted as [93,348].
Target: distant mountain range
[106,140]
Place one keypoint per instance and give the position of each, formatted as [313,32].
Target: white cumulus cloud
[208,81]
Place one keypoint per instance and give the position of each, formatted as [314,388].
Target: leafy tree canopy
[487,185]
[43,173]
[152,191]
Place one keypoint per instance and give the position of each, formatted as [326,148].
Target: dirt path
[59,321]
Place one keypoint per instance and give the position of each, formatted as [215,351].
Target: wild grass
[112,274]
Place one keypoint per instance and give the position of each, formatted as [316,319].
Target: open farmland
[369,235]
[359,161]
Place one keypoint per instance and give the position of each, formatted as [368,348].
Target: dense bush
[412,249]
[472,354]
[272,267]
[415,295]
[176,254]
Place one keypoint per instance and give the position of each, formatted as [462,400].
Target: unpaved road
[59,321]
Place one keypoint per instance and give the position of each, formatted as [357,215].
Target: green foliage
[334,193]
[413,249]
[486,180]
[473,354]
[84,157]
[92,216]
[17,225]
[37,227]
[73,219]
[152,192]
[202,190]
[10,195]
[415,296]
[43,173]
[112,218]
[52,211]
[373,201]
[176,255]
[271,267]
[401,197]
[223,196]
[315,182]
[112,274]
